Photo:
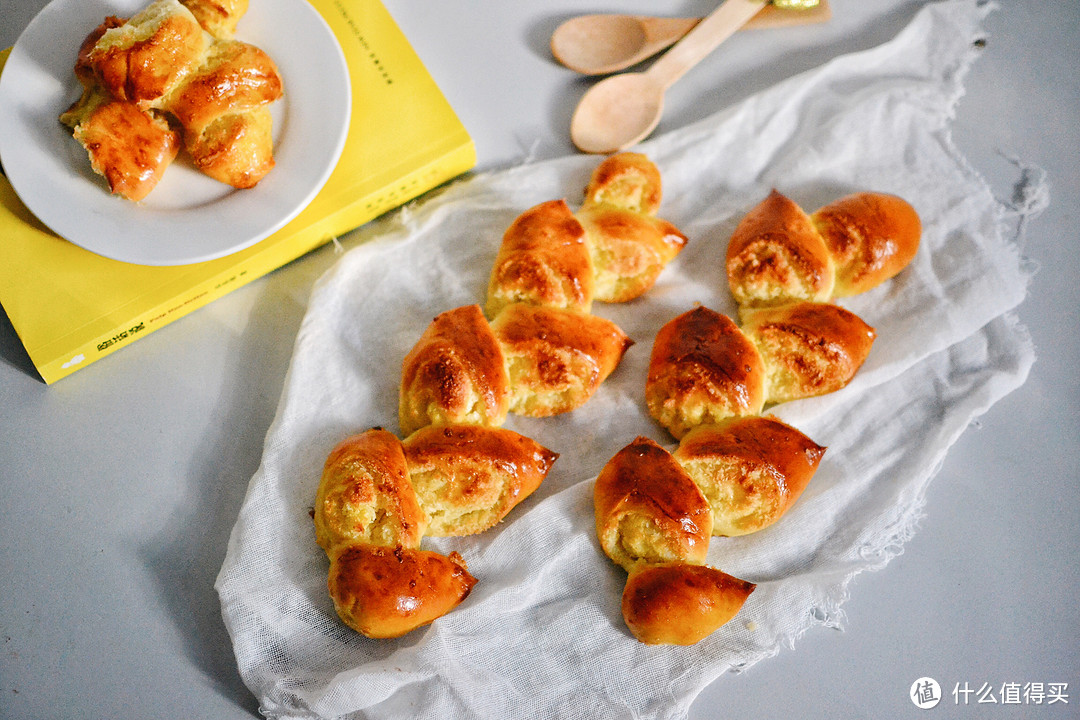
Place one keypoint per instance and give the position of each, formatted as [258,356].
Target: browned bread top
[871,236]
[456,373]
[385,592]
[648,509]
[776,255]
[468,477]
[703,369]
[751,470]
[542,260]
[365,495]
[679,603]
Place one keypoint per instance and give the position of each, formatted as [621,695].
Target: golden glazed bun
[626,180]
[542,260]
[680,604]
[556,359]
[223,107]
[648,509]
[468,477]
[871,237]
[703,369]
[237,149]
[129,147]
[456,373]
[776,255]
[808,348]
[628,250]
[370,520]
[218,17]
[780,254]
[365,495]
[612,249]
[147,57]
[385,592]
[628,244]
[751,470]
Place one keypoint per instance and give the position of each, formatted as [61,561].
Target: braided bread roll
[127,145]
[704,368]
[654,522]
[542,353]
[145,58]
[808,348]
[530,360]
[223,106]
[542,260]
[612,249]
[779,254]
[379,496]
[648,508]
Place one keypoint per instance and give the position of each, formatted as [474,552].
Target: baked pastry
[129,147]
[629,246]
[703,369]
[751,470]
[386,592]
[540,353]
[145,58]
[223,106]
[808,348]
[626,180]
[653,521]
[542,260]
[365,495]
[679,603]
[370,519]
[776,255]
[456,373]
[871,237]
[468,477]
[218,17]
[648,509]
[556,359]
[628,250]
[612,249]
[779,254]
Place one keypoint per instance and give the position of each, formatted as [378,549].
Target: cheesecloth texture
[541,635]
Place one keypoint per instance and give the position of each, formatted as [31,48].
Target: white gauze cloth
[541,635]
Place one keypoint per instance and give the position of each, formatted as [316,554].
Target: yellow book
[71,307]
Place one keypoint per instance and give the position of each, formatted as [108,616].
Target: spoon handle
[718,26]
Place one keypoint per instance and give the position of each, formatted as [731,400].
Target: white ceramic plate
[188,217]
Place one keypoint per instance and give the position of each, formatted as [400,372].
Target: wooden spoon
[622,110]
[608,43]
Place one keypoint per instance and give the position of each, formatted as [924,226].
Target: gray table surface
[120,484]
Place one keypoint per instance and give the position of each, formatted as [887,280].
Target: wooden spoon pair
[622,110]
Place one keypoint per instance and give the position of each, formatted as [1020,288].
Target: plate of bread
[170,132]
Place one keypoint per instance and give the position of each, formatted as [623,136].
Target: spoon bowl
[607,43]
[622,110]
[617,112]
